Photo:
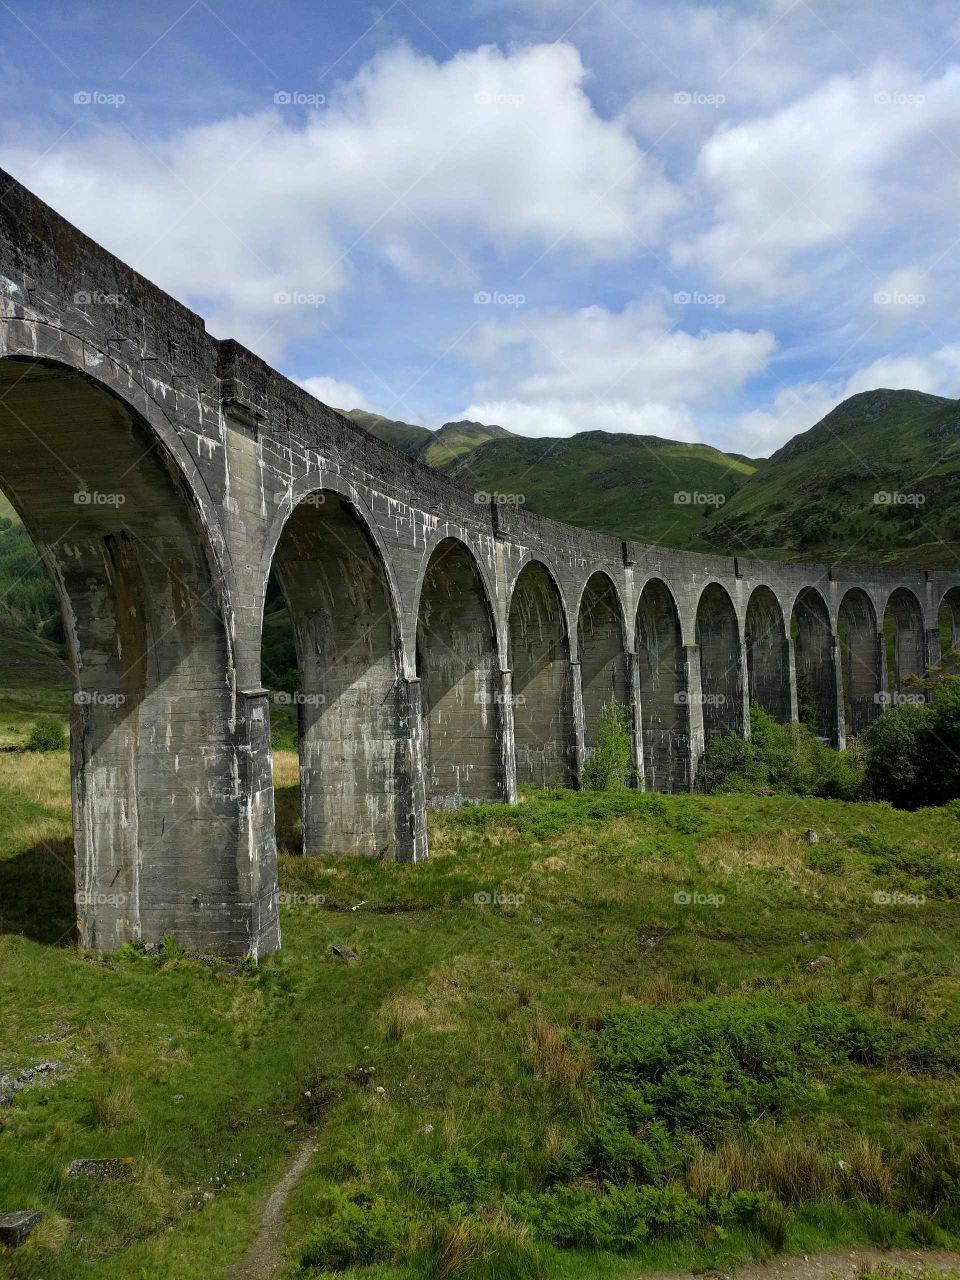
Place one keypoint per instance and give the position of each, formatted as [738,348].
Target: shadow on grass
[286,802]
[36,894]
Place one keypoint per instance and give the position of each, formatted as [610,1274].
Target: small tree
[47,734]
[608,768]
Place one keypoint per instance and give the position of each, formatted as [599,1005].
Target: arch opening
[662,678]
[905,641]
[948,619]
[718,640]
[347,694]
[768,658]
[603,660]
[456,662]
[155,734]
[860,661]
[539,658]
[815,664]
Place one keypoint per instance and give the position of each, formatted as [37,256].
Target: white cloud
[553,372]
[811,175]
[338,394]
[422,163]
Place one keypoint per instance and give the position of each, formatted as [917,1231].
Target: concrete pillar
[504,697]
[412,816]
[694,704]
[932,657]
[743,687]
[635,719]
[883,679]
[790,662]
[579,733]
[839,728]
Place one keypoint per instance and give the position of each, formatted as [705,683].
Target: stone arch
[456,663]
[768,657]
[718,641]
[350,699]
[815,663]
[905,640]
[539,659]
[948,619]
[167,758]
[600,649]
[860,660]
[662,679]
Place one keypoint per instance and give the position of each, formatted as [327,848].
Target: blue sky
[708,222]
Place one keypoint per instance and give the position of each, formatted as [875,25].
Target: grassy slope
[618,484]
[445,1004]
[405,436]
[814,497]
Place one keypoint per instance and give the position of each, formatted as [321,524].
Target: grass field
[681,1037]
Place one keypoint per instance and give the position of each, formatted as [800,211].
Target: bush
[355,1233]
[480,1249]
[609,768]
[912,749]
[47,734]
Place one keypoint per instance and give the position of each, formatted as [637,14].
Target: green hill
[404,436]
[877,479]
[637,487]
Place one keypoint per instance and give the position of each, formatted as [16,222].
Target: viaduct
[448,649]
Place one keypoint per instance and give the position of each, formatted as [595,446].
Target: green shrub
[355,1233]
[48,733]
[912,749]
[495,1248]
[458,1182]
[609,767]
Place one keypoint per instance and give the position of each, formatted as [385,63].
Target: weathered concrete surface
[163,473]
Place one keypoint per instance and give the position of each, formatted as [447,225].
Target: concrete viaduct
[448,649]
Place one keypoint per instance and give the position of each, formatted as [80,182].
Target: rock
[380,1089]
[16,1226]
[111,1169]
[821,962]
[428,1128]
[178,1097]
[537,920]
[343,952]
[811,837]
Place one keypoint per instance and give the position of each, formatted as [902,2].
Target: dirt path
[845,1263]
[264,1255]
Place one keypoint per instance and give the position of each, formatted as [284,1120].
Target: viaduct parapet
[447,650]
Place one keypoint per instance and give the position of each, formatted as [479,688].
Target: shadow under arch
[122,524]
[662,680]
[457,666]
[815,664]
[352,713]
[601,651]
[948,620]
[904,639]
[768,657]
[861,665]
[721,680]
[539,658]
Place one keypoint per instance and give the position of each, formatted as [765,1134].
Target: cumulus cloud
[421,163]
[552,372]
[338,394]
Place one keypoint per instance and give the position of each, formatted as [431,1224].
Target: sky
[699,221]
